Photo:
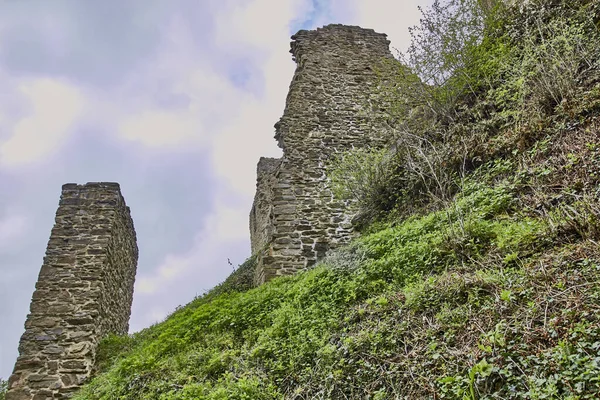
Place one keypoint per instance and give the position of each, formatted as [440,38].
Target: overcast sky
[176,101]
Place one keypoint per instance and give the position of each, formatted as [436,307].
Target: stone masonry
[295,219]
[84,292]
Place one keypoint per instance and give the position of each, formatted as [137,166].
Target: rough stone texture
[261,224]
[295,220]
[84,291]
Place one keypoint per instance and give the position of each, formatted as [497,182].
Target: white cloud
[172,267]
[237,149]
[213,98]
[56,31]
[158,128]
[235,123]
[225,225]
[391,17]
[248,134]
[258,23]
[12,228]
[56,106]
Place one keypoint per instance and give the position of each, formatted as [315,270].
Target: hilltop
[477,271]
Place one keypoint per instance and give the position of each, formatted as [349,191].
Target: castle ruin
[84,292]
[85,286]
[295,219]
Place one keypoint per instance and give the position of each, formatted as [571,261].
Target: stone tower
[84,292]
[329,109]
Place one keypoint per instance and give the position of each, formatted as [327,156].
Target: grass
[473,301]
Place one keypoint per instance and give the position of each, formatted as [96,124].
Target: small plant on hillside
[368,178]
[3,388]
[422,166]
[441,51]
[480,81]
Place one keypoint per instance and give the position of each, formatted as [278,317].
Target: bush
[425,164]
[435,295]
[442,49]
[113,347]
[240,280]
[559,54]
[3,388]
[480,81]
[368,180]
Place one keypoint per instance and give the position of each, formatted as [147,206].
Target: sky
[175,100]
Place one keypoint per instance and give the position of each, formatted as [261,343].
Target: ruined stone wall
[329,109]
[84,291]
[261,225]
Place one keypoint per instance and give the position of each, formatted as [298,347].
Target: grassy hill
[477,274]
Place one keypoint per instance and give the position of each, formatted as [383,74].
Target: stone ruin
[295,219]
[84,292]
[85,287]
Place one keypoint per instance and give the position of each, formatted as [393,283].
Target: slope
[477,275]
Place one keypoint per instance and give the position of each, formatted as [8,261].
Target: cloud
[244,22]
[394,21]
[160,128]
[12,228]
[244,43]
[243,30]
[171,267]
[391,17]
[193,100]
[56,106]
[221,228]
[70,38]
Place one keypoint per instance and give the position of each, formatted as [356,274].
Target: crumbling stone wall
[261,224]
[84,291]
[330,108]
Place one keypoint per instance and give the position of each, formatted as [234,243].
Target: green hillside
[477,274]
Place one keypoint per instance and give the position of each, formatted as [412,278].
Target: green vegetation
[3,388]
[478,272]
[477,298]
[492,84]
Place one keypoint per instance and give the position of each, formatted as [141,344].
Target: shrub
[480,81]
[552,58]
[3,388]
[240,280]
[400,299]
[367,179]
[442,47]
[423,165]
